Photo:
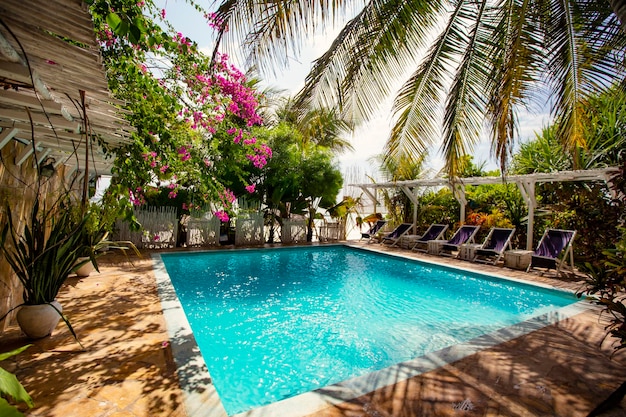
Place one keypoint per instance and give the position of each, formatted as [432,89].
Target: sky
[369,139]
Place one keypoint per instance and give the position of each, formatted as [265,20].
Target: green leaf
[123,28]
[7,355]
[139,23]
[10,386]
[114,21]
[7,410]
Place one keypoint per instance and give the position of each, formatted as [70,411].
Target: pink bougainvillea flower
[227,196]
[184,153]
[162,13]
[250,188]
[222,215]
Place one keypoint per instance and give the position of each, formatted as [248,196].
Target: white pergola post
[371,195]
[527,189]
[458,191]
[409,193]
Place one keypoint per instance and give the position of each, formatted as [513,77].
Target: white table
[468,250]
[408,241]
[517,258]
[434,246]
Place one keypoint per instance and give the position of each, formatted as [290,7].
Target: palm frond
[582,60]
[416,106]
[372,51]
[466,102]
[272,31]
[518,60]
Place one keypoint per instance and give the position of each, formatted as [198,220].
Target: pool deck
[126,368]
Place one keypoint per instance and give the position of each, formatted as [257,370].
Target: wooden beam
[14,98]
[41,156]
[6,135]
[23,156]
[38,118]
[15,71]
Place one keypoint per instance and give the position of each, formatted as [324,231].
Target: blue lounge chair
[464,234]
[392,238]
[376,227]
[434,232]
[497,241]
[553,243]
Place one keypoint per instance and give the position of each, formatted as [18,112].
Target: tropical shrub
[607,280]
[438,206]
[193,113]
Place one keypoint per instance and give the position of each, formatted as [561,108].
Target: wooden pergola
[525,183]
[51,79]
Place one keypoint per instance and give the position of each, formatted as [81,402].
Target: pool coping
[201,397]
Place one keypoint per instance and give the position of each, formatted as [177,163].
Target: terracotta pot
[84,270]
[38,321]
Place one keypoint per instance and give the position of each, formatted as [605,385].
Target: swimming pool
[272,324]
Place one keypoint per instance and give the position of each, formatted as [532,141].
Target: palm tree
[605,141]
[486,61]
[318,127]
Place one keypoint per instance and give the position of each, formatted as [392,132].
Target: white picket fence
[293,231]
[203,231]
[159,228]
[249,229]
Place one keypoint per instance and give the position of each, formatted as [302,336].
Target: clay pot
[38,321]
[84,270]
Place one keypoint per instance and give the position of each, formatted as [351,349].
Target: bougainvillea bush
[192,113]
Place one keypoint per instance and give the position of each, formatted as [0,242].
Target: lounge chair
[497,241]
[464,234]
[392,238]
[553,243]
[376,227]
[434,232]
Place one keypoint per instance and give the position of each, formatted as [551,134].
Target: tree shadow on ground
[561,370]
[127,362]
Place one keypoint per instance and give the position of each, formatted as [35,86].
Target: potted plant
[98,221]
[42,256]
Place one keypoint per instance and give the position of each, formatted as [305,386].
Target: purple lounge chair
[434,232]
[376,227]
[464,234]
[552,244]
[392,238]
[497,241]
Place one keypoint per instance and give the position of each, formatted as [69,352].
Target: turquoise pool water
[274,323]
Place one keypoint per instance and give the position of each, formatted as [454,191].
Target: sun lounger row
[553,251]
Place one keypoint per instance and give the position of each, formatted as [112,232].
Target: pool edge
[200,396]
